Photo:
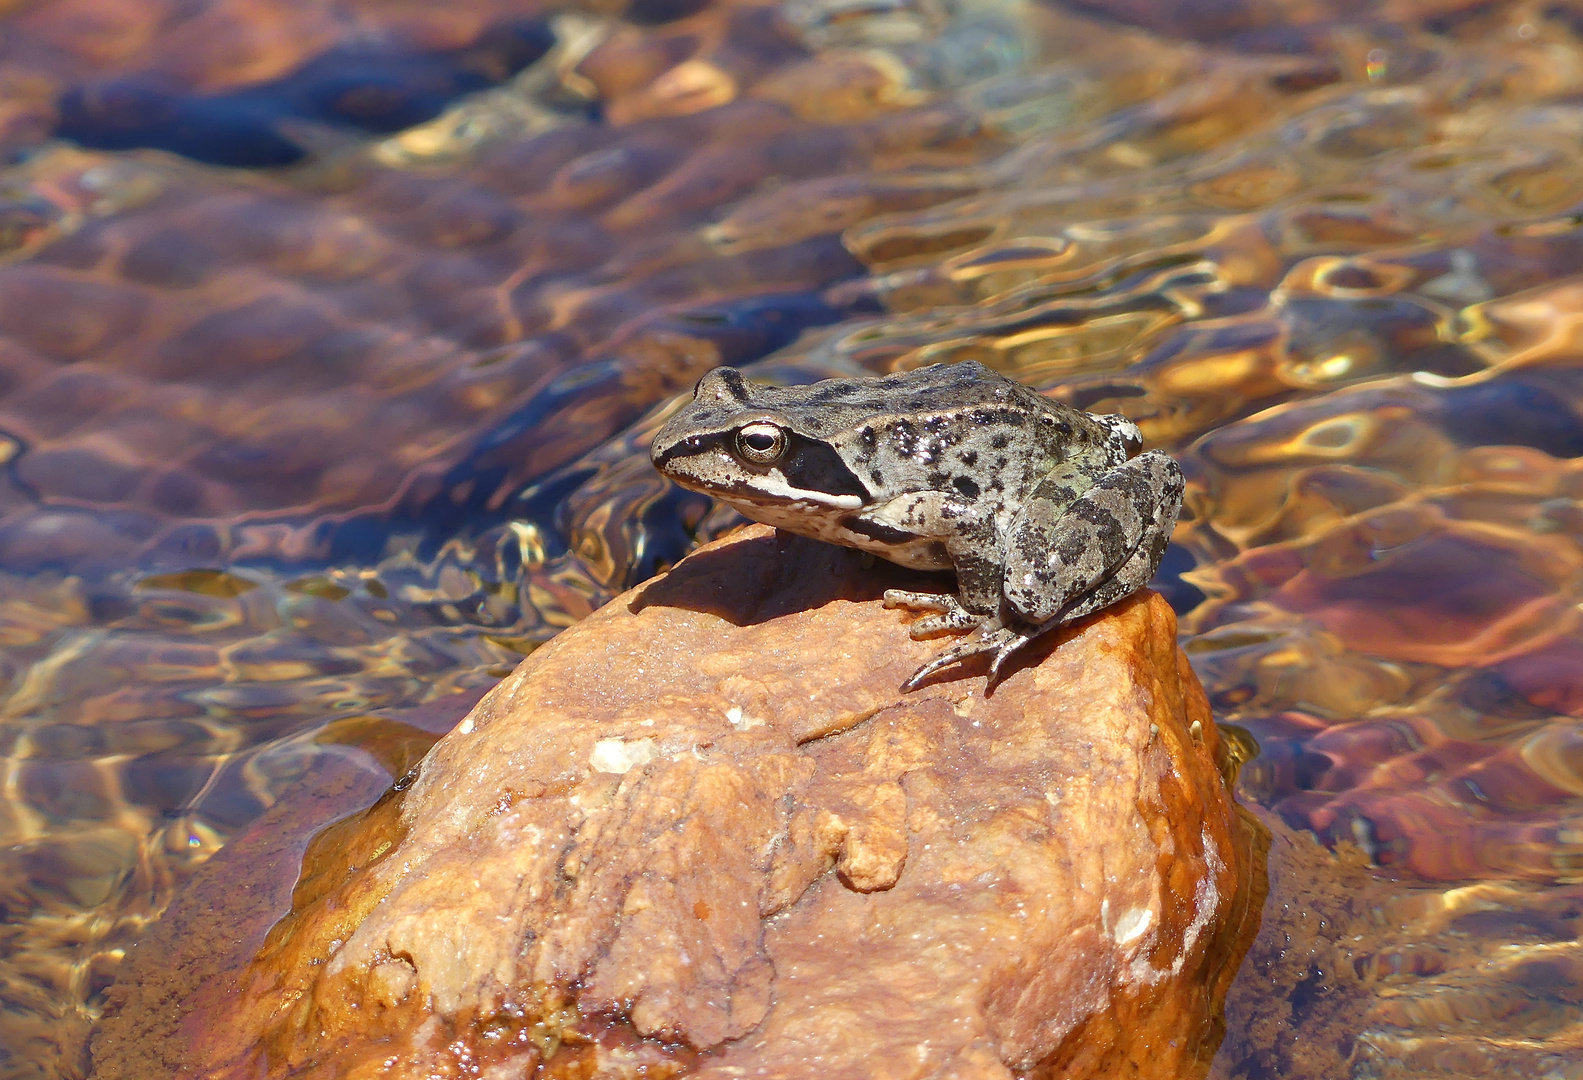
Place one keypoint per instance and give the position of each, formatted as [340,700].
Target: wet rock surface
[702,833]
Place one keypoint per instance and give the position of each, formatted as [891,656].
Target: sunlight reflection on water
[287,451]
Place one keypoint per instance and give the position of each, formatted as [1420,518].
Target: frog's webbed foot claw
[998,639]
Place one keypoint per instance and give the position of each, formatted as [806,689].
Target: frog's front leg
[978,598]
[950,616]
[980,608]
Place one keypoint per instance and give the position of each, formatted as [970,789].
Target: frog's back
[954,390]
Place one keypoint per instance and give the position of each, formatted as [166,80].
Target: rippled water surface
[332,333]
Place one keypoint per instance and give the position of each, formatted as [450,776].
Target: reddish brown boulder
[701,832]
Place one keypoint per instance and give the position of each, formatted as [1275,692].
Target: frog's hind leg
[1072,555]
[1131,576]
[1099,547]
[1061,565]
[977,600]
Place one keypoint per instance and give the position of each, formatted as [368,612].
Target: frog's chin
[819,520]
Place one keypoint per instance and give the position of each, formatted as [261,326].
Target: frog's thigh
[1070,560]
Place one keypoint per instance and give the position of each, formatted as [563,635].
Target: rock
[226,911]
[702,833]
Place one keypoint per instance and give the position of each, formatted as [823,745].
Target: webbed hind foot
[988,637]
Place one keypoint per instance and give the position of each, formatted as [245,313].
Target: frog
[1045,513]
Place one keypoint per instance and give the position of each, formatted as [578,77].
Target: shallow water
[345,410]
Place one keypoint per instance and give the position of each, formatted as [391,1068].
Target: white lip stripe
[774,484]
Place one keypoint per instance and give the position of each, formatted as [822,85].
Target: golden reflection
[286,453]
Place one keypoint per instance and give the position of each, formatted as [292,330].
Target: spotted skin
[1045,513]
[1063,564]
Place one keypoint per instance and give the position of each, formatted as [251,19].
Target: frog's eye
[761,443]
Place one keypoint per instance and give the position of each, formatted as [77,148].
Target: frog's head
[736,442]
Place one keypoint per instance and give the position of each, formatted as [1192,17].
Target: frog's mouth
[767,489]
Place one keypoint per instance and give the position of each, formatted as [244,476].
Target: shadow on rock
[773,574]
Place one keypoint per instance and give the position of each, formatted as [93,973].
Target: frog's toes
[922,601]
[980,641]
[1007,643]
[990,637]
[951,616]
[945,623]
[959,651]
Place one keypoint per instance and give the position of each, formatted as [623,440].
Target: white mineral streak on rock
[1133,925]
[619,756]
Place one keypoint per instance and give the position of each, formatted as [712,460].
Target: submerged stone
[703,833]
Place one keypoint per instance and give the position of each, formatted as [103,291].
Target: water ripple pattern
[332,336]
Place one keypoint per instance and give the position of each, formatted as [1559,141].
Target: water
[331,337]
